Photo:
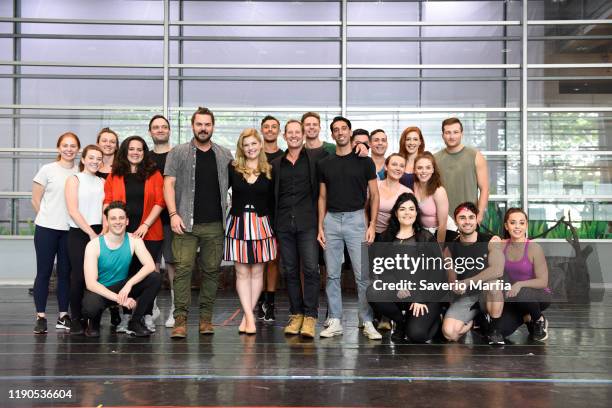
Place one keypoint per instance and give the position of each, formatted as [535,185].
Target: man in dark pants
[106,266]
[296,193]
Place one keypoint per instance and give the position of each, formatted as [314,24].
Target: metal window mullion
[166,48]
[16,121]
[524,105]
[343,57]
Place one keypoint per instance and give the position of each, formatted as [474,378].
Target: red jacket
[114,190]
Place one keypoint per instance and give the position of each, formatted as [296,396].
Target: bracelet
[172,214]
[148,226]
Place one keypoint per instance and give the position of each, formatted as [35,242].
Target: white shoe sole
[169,322]
[331,334]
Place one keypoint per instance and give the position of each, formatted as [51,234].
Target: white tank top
[90,196]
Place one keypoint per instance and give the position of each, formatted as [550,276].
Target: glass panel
[569,174]
[110,9]
[261,11]
[382,11]
[591,218]
[570,130]
[91,92]
[566,10]
[463,11]
[570,92]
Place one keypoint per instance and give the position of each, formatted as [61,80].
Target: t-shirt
[346,179]
[272,156]
[207,197]
[134,200]
[53,212]
[160,162]
[474,250]
[329,147]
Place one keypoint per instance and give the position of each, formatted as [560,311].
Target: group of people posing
[109,220]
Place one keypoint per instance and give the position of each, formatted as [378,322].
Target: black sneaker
[399,333]
[93,328]
[496,338]
[136,327]
[540,329]
[260,311]
[41,325]
[269,312]
[76,327]
[63,323]
[115,316]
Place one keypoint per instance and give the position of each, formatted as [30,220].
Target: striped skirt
[249,238]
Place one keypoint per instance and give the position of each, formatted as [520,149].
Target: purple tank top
[520,270]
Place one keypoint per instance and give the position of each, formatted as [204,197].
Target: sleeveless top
[458,171]
[521,270]
[385,206]
[113,264]
[90,195]
[429,216]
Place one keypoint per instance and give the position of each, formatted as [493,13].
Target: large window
[81,65]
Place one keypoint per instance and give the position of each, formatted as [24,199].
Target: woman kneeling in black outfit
[421,320]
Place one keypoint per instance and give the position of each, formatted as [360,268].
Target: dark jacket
[313,158]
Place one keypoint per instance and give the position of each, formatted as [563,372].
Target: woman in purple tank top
[525,268]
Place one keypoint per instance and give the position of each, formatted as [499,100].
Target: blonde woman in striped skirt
[249,239]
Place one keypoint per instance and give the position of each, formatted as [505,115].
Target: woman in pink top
[525,268]
[389,189]
[433,201]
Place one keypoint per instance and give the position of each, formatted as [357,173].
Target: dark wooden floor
[573,369]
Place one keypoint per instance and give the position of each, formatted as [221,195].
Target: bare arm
[143,229]
[72,203]
[482,178]
[176,222]
[322,209]
[38,190]
[92,252]
[441,199]
[536,255]
[495,270]
[374,204]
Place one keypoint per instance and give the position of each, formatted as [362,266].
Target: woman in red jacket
[135,180]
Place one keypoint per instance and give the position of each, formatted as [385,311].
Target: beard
[202,137]
[160,140]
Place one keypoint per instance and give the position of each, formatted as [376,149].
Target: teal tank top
[113,264]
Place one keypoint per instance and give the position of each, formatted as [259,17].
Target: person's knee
[91,306]
[451,329]
[417,333]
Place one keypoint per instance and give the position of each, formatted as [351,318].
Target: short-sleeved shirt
[346,180]
[272,156]
[53,211]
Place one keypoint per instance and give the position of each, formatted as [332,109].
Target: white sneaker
[334,328]
[149,324]
[156,312]
[370,332]
[327,321]
[122,327]
[170,320]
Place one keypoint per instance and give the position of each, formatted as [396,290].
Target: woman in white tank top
[84,196]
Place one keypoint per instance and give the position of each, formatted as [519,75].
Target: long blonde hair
[240,162]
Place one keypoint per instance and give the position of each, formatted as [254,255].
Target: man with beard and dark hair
[195,190]
[159,130]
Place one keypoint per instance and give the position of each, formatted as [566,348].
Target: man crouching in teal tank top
[107,261]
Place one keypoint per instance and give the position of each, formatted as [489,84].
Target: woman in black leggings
[421,320]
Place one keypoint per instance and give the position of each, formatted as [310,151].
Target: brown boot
[206,327]
[179,331]
[309,327]
[295,324]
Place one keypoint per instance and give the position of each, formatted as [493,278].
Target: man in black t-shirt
[264,309]
[159,130]
[477,257]
[344,181]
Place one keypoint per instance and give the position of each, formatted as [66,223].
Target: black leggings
[143,292]
[77,241]
[154,248]
[418,329]
[529,301]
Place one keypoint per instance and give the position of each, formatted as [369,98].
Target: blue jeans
[345,228]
